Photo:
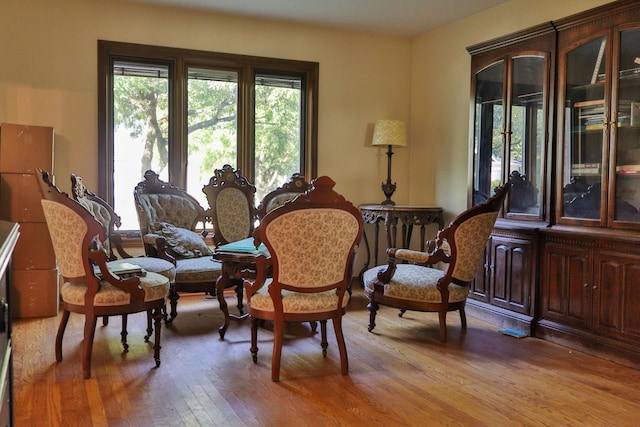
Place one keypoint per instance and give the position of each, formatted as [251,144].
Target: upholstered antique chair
[168,217]
[232,212]
[278,197]
[105,215]
[231,200]
[311,241]
[90,287]
[409,282]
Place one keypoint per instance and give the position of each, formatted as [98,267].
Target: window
[184,113]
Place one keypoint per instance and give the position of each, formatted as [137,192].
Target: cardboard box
[24,148]
[34,250]
[34,293]
[20,198]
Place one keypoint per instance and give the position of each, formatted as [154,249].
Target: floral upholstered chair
[281,195]
[105,215]
[89,286]
[409,282]
[168,217]
[232,212]
[231,200]
[311,242]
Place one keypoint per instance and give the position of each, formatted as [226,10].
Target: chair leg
[342,348]
[323,342]
[463,318]
[63,325]
[123,333]
[254,338]
[149,325]
[278,336]
[105,320]
[157,317]
[314,326]
[373,309]
[442,317]
[173,302]
[87,344]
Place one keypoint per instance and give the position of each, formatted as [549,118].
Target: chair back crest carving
[231,205]
[103,213]
[286,192]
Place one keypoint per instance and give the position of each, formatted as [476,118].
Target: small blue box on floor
[513,333]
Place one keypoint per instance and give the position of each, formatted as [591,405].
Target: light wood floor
[401,375]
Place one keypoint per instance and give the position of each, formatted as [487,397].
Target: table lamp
[389,133]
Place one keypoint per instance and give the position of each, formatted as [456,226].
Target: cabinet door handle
[586,285]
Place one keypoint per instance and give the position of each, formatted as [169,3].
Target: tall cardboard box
[24,149]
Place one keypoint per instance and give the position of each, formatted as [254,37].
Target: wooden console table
[391,215]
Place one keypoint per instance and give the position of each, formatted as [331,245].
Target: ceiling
[396,17]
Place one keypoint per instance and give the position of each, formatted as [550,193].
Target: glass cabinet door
[527,130]
[509,132]
[489,131]
[625,183]
[585,125]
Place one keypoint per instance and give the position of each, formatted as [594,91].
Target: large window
[184,113]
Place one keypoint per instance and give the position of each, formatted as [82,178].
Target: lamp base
[388,188]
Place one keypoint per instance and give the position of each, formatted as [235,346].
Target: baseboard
[505,319]
[585,342]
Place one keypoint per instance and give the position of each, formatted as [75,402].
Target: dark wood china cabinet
[510,134]
[556,109]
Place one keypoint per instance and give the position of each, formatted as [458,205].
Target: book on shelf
[585,169]
[123,270]
[628,169]
[589,103]
[632,72]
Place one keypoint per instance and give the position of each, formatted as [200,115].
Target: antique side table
[391,215]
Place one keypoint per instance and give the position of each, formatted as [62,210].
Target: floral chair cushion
[67,230]
[155,287]
[325,235]
[233,215]
[182,242]
[197,270]
[296,302]
[415,283]
[471,237]
[280,200]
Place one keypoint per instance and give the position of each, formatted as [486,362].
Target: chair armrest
[116,244]
[415,257]
[130,285]
[159,243]
[396,255]
[259,275]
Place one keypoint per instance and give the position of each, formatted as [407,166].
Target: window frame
[178,60]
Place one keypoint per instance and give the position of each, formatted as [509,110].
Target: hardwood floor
[400,375]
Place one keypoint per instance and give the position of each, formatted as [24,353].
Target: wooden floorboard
[400,375]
